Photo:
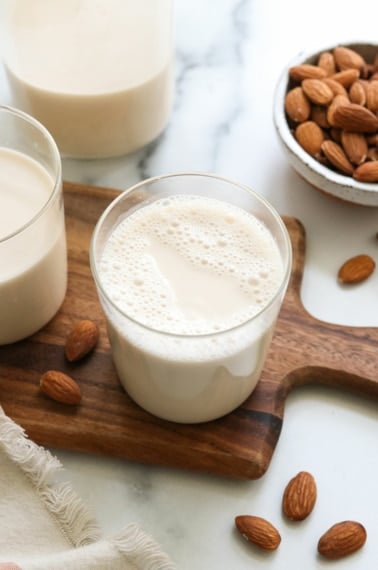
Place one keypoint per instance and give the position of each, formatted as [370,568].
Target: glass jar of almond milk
[97,73]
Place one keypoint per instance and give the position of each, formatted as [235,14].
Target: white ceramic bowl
[319,176]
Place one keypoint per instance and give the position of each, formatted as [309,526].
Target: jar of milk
[97,73]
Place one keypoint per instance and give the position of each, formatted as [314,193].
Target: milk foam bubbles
[191,287]
[196,266]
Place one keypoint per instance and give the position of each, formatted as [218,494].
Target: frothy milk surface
[98,75]
[191,265]
[195,267]
[33,270]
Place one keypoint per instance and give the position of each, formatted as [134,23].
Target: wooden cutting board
[304,351]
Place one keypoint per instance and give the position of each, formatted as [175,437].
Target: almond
[337,100]
[259,531]
[310,136]
[337,157]
[347,77]
[355,146]
[306,71]
[357,93]
[299,496]
[297,106]
[81,340]
[317,91]
[342,539]
[352,117]
[356,269]
[346,58]
[336,87]
[367,172]
[319,116]
[327,62]
[372,96]
[60,387]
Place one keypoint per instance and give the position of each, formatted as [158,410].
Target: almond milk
[191,278]
[32,247]
[98,75]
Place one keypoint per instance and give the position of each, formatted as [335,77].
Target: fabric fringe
[40,466]
[141,549]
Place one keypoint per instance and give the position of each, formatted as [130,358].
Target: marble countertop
[229,54]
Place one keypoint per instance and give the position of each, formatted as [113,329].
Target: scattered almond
[60,387]
[259,531]
[81,340]
[342,539]
[299,496]
[356,269]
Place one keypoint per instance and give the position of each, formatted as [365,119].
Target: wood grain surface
[304,350]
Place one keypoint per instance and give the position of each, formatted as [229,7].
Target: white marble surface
[229,54]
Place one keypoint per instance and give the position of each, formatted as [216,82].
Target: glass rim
[57,162]
[123,194]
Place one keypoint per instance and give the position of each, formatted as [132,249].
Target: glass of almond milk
[97,73]
[33,260]
[191,270]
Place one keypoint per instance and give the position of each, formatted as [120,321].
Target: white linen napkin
[44,525]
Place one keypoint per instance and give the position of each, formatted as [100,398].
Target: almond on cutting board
[60,387]
[81,340]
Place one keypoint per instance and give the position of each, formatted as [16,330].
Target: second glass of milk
[97,73]
[191,270]
[33,258]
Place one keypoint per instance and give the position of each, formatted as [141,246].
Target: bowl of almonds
[326,117]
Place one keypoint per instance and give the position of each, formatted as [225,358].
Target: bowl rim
[327,180]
